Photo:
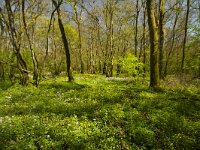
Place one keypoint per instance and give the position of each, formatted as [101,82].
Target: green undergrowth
[96,112]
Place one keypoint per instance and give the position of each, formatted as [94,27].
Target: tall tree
[136,26]
[78,20]
[185,36]
[144,35]
[161,37]
[153,36]
[109,54]
[33,56]
[64,39]
[15,38]
[171,49]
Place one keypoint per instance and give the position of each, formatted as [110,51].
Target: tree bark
[154,69]
[161,37]
[172,44]
[144,36]
[33,56]
[65,41]
[185,37]
[136,27]
[2,75]
[78,22]
[110,36]
[16,45]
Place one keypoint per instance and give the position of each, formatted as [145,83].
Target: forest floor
[96,112]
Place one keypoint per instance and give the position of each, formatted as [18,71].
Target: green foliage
[131,65]
[98,113]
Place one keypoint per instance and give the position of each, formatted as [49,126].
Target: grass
[99,113]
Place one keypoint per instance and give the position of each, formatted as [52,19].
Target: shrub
[131,65]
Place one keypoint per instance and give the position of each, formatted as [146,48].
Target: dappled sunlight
[96,112]
[99,75]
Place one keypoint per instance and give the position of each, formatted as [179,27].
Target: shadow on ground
[64,86]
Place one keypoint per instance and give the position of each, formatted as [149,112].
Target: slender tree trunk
[109,48]
[161,37]
[100,46]
[111,43]
[12,69]
[136,27]
[118,64]
[65,42]
[2,74]
[47,42]
[22,67]
[57,60]
[33,56]
[88,60]
[154,69]
[144,36]
[78,22]
[56,71]
[109,68]
[185,37]
[16,45]
[172,44]
[141,47]
[92,64]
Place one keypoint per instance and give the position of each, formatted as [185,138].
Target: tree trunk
[161,37]
[65,42]
[136,27]
[16,45]
[2,75]
[23,68]
[144,37]
[154,69]
[78,22]
[100,46]
[92,63]
[185,37]
[110,36]
[172,44]
[33,56]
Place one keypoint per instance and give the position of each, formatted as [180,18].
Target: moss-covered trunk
[154,69]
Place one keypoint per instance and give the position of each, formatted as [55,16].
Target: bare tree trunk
[16,44]
[161,37]
[185,37]
[65,41]
[172,44]
[154,69]
[136,27]
[100,46]
[12,69]
[23,68]
[33,56]
[144,36]
[47,42]
[78,22]
[92,59]
[92,63]
[2,75]
[110,36]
